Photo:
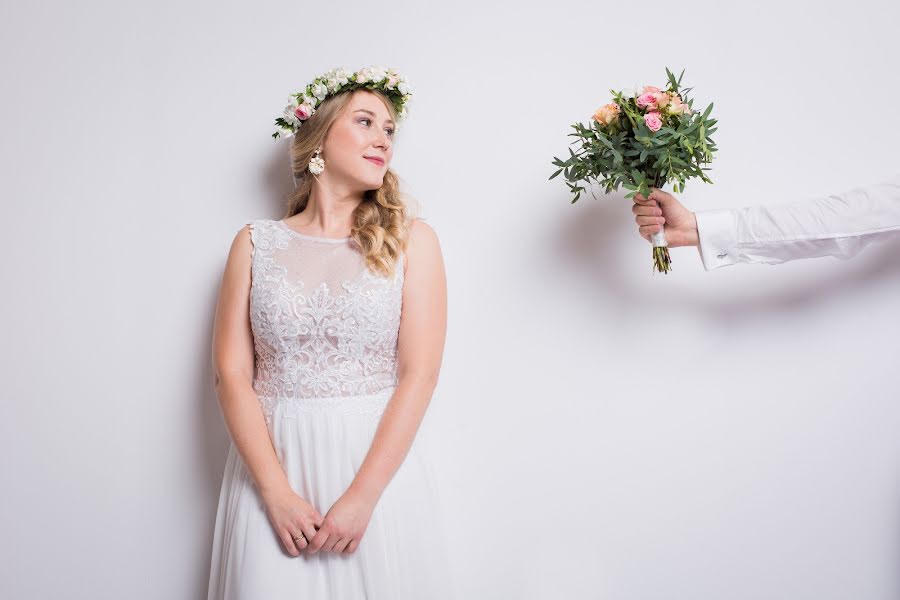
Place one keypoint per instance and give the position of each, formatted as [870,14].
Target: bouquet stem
[662,263]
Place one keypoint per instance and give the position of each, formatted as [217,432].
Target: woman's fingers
[329,544]
[288,543]
[341,544]
[309,531]
[318,540]
[300,540]
[352,547]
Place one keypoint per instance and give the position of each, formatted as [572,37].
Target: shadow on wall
[276,179]
[599,241]
[213,439]
[212,444]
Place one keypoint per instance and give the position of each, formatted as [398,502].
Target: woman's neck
[328,212]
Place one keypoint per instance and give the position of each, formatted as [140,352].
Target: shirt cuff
[717,235]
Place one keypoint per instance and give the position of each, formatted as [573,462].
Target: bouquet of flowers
[642,139]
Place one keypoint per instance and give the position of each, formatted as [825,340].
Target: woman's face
[358,146]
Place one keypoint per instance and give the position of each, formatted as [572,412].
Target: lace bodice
[324,325]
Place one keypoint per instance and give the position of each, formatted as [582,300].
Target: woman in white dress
[329,333]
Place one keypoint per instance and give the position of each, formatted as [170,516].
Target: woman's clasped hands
[303,530]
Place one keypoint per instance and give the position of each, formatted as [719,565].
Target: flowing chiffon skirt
[321,442]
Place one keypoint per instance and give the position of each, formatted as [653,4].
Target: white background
[600,432]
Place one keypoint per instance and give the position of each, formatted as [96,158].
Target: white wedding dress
[325,335]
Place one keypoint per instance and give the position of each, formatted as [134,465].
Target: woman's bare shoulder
[423,246]
[422,233]
[241,252]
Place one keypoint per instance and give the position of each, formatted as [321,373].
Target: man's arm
[836,225]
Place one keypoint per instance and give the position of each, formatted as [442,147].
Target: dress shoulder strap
[260,236]
[254,236]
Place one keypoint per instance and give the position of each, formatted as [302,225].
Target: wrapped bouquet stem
[644,138]
[662,262]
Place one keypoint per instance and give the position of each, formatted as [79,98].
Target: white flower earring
[317,163]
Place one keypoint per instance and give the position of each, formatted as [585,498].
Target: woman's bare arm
[233,362]
[420,348]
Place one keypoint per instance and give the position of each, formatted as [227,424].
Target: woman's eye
[367,121]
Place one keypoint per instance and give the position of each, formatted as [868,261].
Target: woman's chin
[373,183]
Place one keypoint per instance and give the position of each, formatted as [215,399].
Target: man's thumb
[664,199]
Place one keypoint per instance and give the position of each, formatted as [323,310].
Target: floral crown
[302,105]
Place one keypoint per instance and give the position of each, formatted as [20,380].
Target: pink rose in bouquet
[653,121]
[647,101]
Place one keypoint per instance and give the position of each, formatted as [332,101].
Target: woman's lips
[377,161]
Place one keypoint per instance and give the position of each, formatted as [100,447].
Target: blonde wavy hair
[381,221]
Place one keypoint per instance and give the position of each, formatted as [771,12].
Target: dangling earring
[317,163]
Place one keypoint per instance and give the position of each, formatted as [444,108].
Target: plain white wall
[600,432]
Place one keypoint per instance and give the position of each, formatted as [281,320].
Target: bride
[329,334]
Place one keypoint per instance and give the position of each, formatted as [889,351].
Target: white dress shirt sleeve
[836,225]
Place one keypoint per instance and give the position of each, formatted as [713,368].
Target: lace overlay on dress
[324,326]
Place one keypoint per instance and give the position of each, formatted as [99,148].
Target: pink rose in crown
[647,100]
[653,121]
[303,112]
[651,89]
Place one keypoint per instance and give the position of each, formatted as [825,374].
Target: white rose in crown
[290,117]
